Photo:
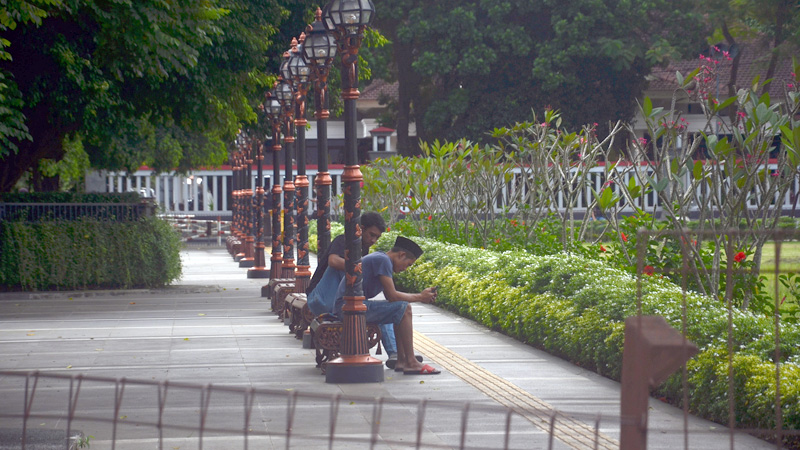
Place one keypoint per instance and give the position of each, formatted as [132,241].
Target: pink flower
[642,141]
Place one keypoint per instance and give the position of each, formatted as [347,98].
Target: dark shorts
[383,312]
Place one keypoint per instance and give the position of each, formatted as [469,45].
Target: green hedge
[69,197]
[87,253]
[575,307]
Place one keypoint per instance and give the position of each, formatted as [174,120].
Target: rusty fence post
[653,350]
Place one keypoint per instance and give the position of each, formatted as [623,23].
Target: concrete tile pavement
[212,328]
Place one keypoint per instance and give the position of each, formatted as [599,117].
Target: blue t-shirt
[372,267]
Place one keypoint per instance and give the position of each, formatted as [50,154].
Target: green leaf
[647,107]
[728,102]
[698,170]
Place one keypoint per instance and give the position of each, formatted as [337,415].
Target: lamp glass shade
[273,107]
[285,73]
[319,45]
[348,15]
[298,68]
[284,92]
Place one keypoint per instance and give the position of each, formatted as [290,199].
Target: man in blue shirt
[321,290]
[377,270]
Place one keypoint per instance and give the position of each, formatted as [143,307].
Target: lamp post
[318,52]
[285,95]
[346,19]
[274,113]
[238,249]
[300,72]
[259,269]
[230,241]
[248,213]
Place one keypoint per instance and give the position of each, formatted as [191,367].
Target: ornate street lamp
[237,201]
[300,73]
[286,96]
[248,260]
[274,114]
[346,19]
[233,242]
[259,269]
[319,49]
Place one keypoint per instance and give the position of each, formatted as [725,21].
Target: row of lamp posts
[338,28]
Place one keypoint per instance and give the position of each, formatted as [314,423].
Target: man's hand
[428,295]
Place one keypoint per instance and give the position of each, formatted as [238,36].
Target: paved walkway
[229,361]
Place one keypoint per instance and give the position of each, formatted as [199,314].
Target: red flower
[649,270]
[741,256]
[497,241]
[602,249]
[430,217]
[624,238]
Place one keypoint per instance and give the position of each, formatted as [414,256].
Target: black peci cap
[408,245]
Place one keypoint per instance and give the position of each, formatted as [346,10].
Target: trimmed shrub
[575,307]
[87,253]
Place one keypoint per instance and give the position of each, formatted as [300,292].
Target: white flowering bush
[575,307]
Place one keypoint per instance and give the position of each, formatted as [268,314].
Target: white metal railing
[201,192]
[208,192]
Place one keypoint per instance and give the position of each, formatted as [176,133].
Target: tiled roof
[754,61]
[380,87]
[382,130]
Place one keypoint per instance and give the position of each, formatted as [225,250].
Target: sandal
[391,362]
[426,370]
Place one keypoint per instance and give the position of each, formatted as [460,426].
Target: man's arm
[393,295]
[336,261]
[336,253]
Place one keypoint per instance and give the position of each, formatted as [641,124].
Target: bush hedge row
[575,307]
[88,253]
[69,197]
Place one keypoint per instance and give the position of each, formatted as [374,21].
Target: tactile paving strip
[571,432]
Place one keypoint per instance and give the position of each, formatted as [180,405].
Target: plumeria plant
[729,172]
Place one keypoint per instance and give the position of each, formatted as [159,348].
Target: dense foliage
[575,307]
[465,67]
[88,253]
[167,84]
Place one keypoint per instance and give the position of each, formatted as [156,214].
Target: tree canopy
[162,83]
[465,67]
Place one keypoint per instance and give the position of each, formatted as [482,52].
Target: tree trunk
[408,89]
[47,138]
[782,12]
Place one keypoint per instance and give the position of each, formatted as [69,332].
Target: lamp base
[354,369]
[258,272]
[247,262]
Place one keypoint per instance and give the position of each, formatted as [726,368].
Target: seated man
[377,269]
[321,290]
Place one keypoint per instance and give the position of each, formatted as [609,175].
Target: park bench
[233,244]
[300,317]
[277,291]
[326,334]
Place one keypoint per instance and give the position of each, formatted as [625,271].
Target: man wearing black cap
[377,269]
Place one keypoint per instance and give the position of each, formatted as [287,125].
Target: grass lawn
[789,262]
